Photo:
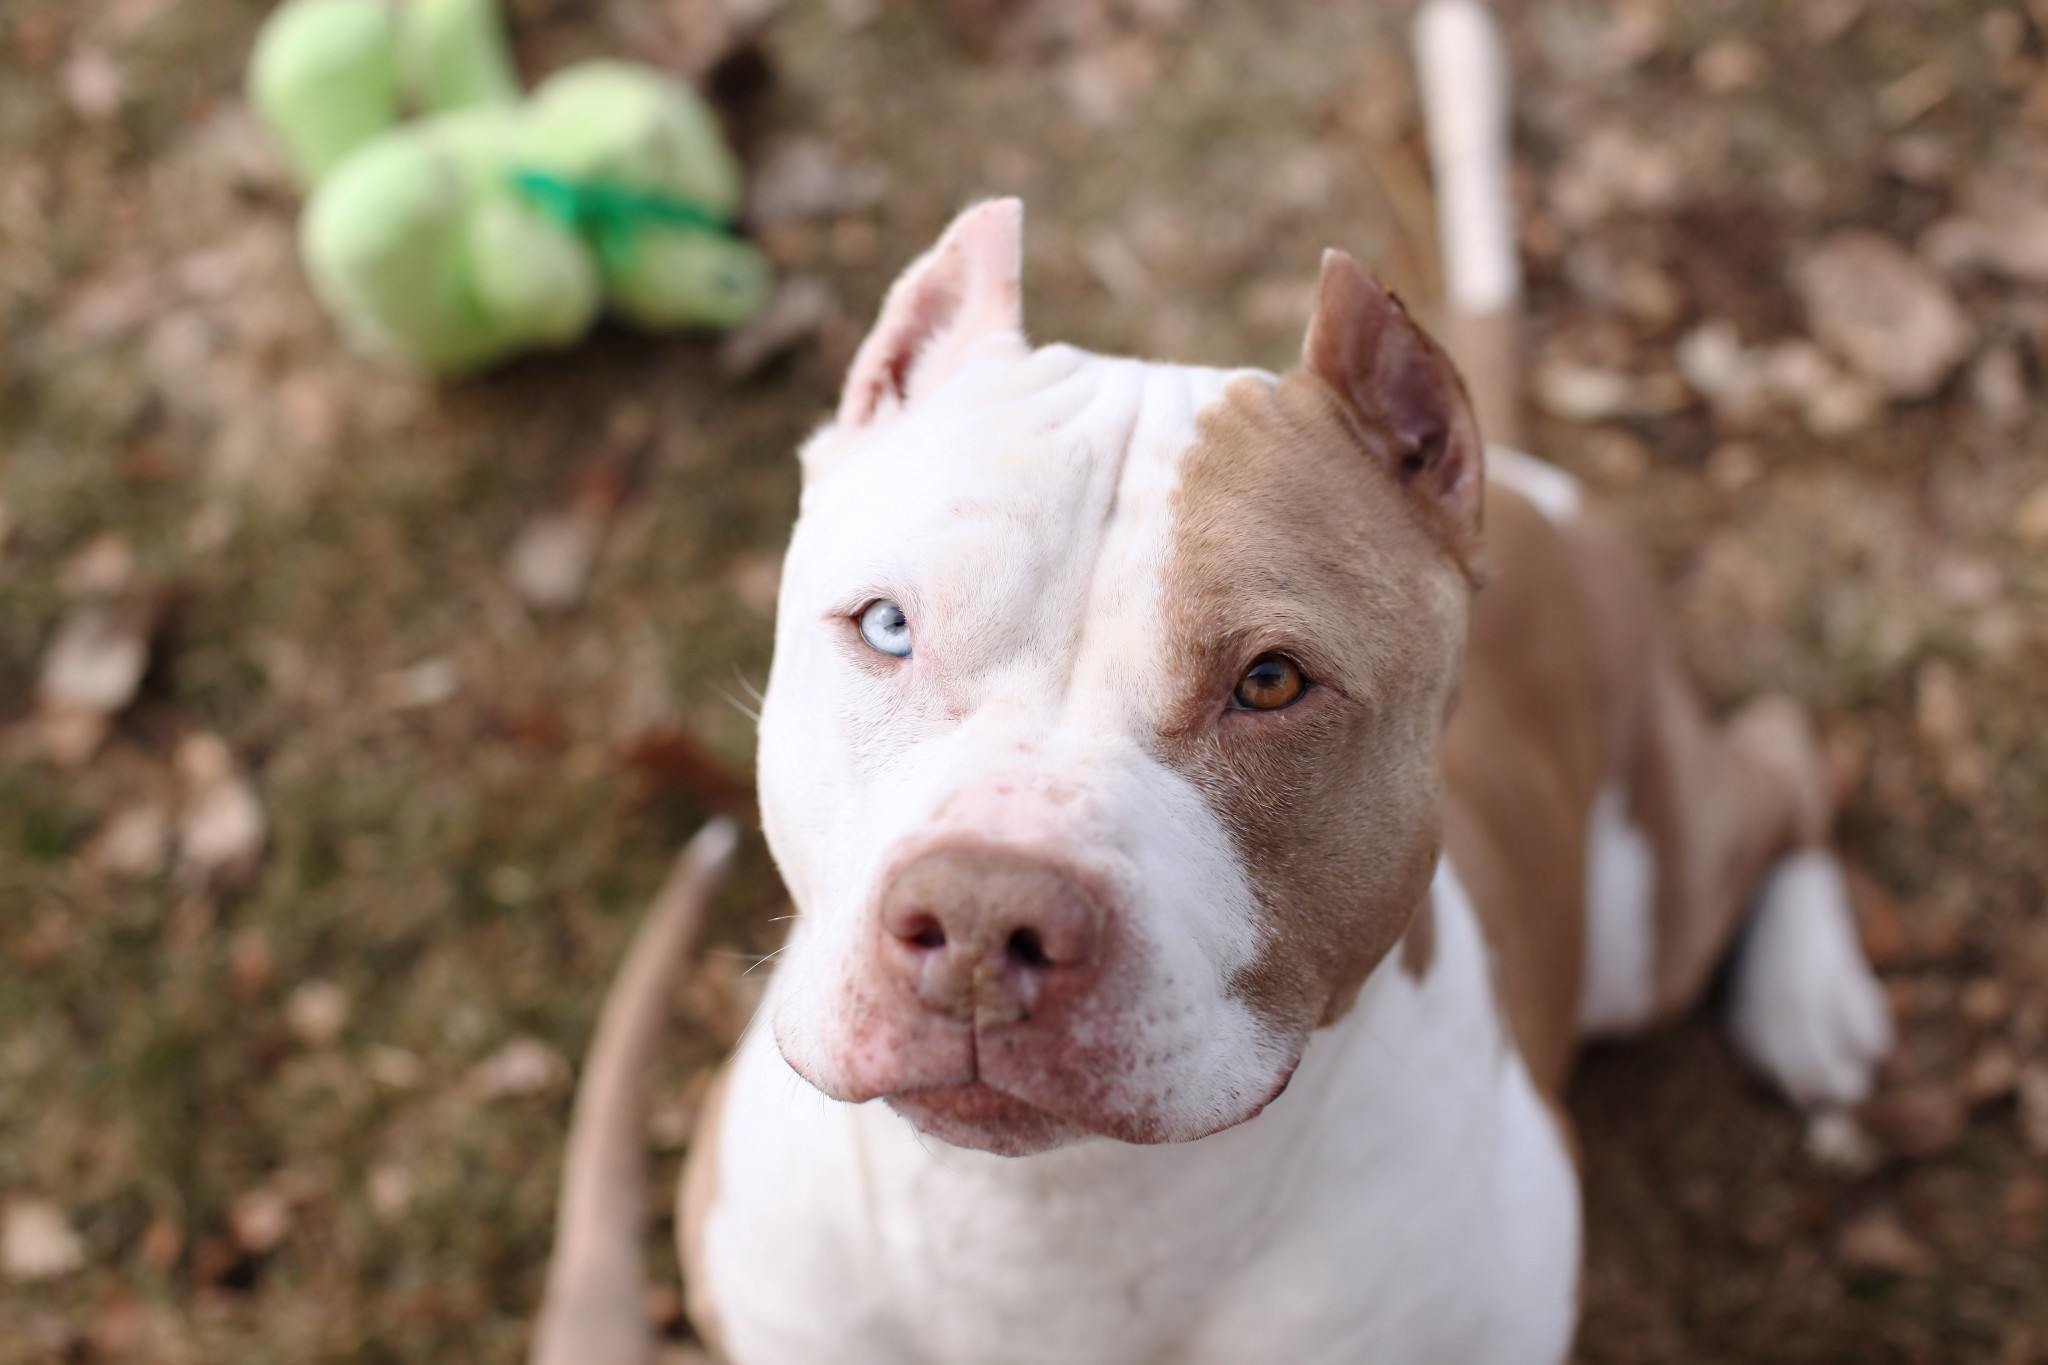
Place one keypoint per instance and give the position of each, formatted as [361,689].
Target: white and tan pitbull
[1217,805]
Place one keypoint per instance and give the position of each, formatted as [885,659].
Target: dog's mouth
[976,1115]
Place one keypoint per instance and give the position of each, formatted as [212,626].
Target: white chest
[1408,1199]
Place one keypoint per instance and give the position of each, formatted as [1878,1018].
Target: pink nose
[990,937]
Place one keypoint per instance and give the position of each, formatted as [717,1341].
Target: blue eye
[884,626]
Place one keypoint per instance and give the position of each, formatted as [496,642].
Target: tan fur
[591,1311]
[1290,538]
[1418,945]
[1489,353]
[698,1195]
[1524,760]
[1296,531]
[1719,803]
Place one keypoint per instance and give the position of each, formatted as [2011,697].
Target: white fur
[1549,489]
[1463,72]
[1018,511]
[1618,987]
[1409,1198]
[1805,1007]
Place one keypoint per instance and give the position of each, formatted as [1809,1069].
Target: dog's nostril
[924,932]
[1027,948]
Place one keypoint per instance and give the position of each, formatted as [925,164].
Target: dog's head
[1101,748]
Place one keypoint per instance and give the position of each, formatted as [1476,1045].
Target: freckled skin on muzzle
[1003,1005]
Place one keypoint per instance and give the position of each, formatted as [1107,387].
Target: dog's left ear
[967,288]
[1401,394]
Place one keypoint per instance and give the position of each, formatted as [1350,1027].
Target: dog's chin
[984,1119]
[978,1116]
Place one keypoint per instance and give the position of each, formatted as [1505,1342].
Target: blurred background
[348,719]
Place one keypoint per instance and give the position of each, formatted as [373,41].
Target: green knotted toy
[493,226]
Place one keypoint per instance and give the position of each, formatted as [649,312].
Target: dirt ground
[348,720]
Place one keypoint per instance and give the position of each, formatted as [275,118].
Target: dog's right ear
[966,289]
[1401,395]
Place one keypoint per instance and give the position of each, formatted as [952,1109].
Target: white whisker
[752,690]
[749,712]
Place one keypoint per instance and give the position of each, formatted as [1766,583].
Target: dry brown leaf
[802,306]
[1878,1242]
[37,1242]
[1921,1122]
[221,826]
[430,682]
[1943,719]
[317,1012]
[549,563]
[135,842]
[1998,386]
[523,1066]
[261,1219]
[389,1186]
[2030,522]
[2002,228]
[807,177]
[2032,1087]
[1587,393]
[103,567]
[1991,1075]
[96,660]
[94,86]
[1884,312]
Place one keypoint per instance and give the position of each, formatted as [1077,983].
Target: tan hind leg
[1714,826]
[1720,804]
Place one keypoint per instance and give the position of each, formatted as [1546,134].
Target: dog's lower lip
[975,1100]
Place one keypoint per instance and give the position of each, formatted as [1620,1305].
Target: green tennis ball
[324,80]
[630,126]
[384,242]
[424,255]
[670,278]
[453,54]
[535,283]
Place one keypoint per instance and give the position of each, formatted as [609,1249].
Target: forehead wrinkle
[1121,625]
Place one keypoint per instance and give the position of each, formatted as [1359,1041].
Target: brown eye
[1273,681]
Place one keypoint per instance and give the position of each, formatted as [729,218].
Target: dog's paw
[1805,1008]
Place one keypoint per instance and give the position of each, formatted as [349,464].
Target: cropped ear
[1401,394]
[967,287]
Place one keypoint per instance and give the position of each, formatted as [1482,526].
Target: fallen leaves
[2030,521]
[1942,717]
[260,1219]
[801,308]
[2000,228]
[523,1067]
[1586,393]
[135,843]
[1884,312]
[2031,1085]
[808,177]
[90,673]
[549,563]
[1745,384]
[317,1012]
[1921,1121]
[222,825]
[1877,1242]
[37,1242]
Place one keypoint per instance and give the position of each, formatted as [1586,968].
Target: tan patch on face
[1291,537]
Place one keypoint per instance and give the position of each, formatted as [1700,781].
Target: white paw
[1805,1007]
